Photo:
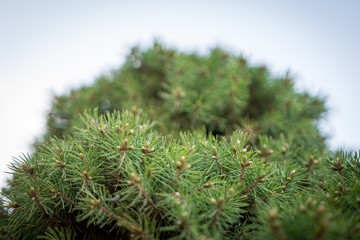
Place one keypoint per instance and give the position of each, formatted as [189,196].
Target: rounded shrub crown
[184,146]
[186,91]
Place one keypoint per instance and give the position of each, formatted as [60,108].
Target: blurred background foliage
[185,91]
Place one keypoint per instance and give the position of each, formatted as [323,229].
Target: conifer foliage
[187,91]
[210,148]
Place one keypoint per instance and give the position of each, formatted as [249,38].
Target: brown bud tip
[135,178]
[273,214]
[264,146]
[292,173]
[130,182]
[119,147]
[187,166]
[213,201]
[182,159]
[302,208]
[320,210]
[271,151]
[220,201]
[248,163]
[131,132]
[177,194]
[81,155]
[231,190]
[311,158]
[85,173]
[184,215]
[32,190]
[125,141]
[238,142]
[244,150]
[126,125]
[309,202]
[131,147]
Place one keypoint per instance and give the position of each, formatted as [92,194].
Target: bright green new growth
[118,179]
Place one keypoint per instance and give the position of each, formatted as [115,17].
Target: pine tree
[210,148]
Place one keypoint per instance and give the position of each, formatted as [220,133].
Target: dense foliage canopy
[184,146]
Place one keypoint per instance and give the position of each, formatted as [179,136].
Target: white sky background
[52,46]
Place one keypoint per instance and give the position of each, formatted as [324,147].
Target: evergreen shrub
[184,146]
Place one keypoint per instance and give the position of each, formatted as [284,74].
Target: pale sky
[52,46]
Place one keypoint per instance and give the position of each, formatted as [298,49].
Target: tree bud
[273,214]
[248,163]
[213,201]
